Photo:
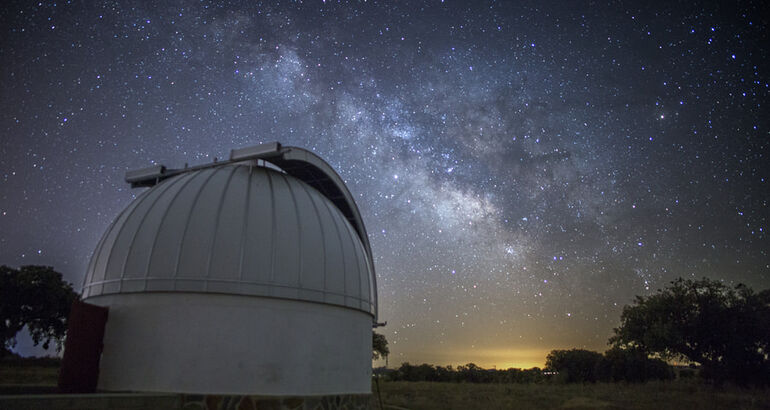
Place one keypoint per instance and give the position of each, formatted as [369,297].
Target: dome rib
[97,255]
[244,232]
[357,259]
[170,206]
[131,247]
[119,234]
[187,223]
[273,233]
[323,236]
[342,249]
[298,218]
[217,226]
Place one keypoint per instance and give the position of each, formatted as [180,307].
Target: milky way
[523,170]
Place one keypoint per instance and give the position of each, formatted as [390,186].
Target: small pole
[379,395]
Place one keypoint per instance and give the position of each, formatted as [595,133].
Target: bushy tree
[615,365]
[379,346]
[473,374]
[726,330]
[36,297]
[445,374]
[575,365]
[533,375]
[633,366]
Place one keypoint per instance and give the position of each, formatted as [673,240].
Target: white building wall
[227,344]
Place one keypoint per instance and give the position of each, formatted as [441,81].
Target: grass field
[682,394]
[29,375]
[28,379]
[679,394]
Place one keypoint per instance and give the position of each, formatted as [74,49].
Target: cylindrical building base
[203,343]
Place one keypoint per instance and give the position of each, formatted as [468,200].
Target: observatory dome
[251,276]
[234,229]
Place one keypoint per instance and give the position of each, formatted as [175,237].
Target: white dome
[235,229]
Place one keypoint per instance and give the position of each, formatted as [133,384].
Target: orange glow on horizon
[504,358]
[498,358]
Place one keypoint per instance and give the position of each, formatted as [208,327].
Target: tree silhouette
[727,330]
[575,365]
[632,365]
[36,297]
[379,346]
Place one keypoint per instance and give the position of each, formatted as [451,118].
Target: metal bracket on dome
[146,176]
[297,162]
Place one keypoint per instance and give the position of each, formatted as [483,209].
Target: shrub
[576,365]
[632,365]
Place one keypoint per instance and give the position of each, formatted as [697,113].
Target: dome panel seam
[245,230]
[187,222]
[299,230]
[217,224]
[165,214]
[162,191]
[321,226]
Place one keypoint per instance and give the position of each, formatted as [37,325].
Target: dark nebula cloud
[523,169]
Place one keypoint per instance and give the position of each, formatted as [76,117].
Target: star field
[523,170]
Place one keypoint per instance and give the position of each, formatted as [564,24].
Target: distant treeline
[562,366]
[469,373]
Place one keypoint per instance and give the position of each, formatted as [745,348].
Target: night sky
[523,170]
